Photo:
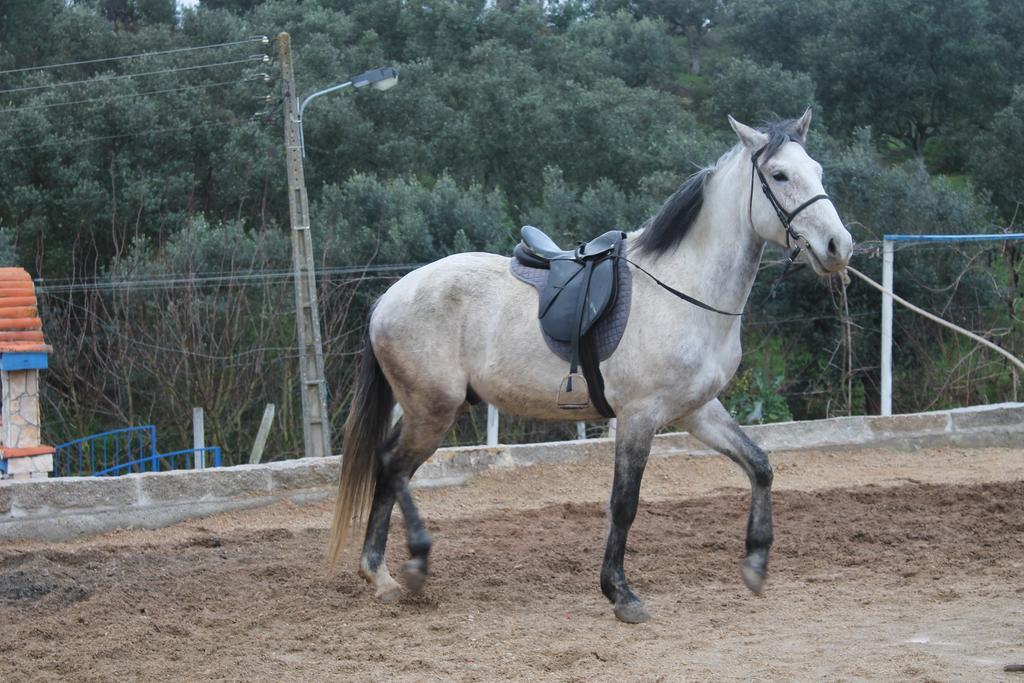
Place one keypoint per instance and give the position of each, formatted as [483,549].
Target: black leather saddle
[580,289]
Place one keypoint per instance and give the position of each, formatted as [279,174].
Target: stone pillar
[23,353]
[20,443]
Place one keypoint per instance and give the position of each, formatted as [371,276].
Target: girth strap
[581,303]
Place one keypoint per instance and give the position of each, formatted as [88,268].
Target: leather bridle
[786,217]
[787,220]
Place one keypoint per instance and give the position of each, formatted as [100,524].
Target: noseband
[786,217]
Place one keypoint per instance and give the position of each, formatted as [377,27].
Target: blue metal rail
[172,458]
[954,238]
[123,451]
[108,450]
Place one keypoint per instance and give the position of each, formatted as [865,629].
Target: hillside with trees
[148,194]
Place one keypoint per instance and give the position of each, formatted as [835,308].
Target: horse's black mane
[667,228]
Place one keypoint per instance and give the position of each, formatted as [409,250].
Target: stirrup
[573,394]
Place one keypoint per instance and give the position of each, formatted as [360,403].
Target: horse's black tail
[368,424]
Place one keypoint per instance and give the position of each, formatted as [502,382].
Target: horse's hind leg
[399,460]
[372,565]
[632,447]
[414,571]
[713,425]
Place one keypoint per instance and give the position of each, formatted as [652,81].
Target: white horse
[464,329]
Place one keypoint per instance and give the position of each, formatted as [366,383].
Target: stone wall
[68,507]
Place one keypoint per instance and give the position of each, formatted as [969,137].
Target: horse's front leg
[713,425]
[632,446]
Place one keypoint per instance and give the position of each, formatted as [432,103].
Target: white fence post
[581,430]
[492,425]
[613,426]
[256,454]
[198,440]
[886,370]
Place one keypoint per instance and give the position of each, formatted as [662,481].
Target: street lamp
[316,426]
[383,78]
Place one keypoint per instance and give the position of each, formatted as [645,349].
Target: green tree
[133,14]
[8,250]
[637,51]
[25,31]
[777,31]
[371,220]
[235,6]
[568,212]
[690,19]
[1006,18]
[998,158]
[749,91]
[910,69]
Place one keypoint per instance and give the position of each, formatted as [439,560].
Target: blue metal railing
[108,450]
[122,451]
[172,459]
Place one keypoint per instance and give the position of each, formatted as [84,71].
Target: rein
[676,292]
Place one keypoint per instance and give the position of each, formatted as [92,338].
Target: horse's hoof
[632,612]
[367,575]
[413,575]
[389,593]
[754,574]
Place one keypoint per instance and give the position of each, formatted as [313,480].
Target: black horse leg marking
[372,566]
[393,484]
[759,524]
[393,473]
[631,451]
[415,570]
[421,433]
[713,425]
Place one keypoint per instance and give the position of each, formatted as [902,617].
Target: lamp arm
[302,107]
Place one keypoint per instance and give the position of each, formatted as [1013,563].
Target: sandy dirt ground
[886,566]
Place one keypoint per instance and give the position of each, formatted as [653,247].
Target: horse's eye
[780,176]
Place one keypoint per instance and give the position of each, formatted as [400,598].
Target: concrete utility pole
[316,427]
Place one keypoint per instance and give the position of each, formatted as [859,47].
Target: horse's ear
[751,138]
[801,127]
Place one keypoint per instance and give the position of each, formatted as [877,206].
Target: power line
[281,351]
[212,278]
[79,141]
[90,81]
[203,275]
[127,95]
[110,328]
[256,39]
[174,280]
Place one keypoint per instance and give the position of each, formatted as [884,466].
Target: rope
[934,318]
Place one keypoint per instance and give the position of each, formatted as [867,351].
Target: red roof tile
[20,326]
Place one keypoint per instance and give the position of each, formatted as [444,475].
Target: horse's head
[788,205]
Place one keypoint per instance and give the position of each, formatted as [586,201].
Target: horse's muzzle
[833,254]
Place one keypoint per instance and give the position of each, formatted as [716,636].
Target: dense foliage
[575,115]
